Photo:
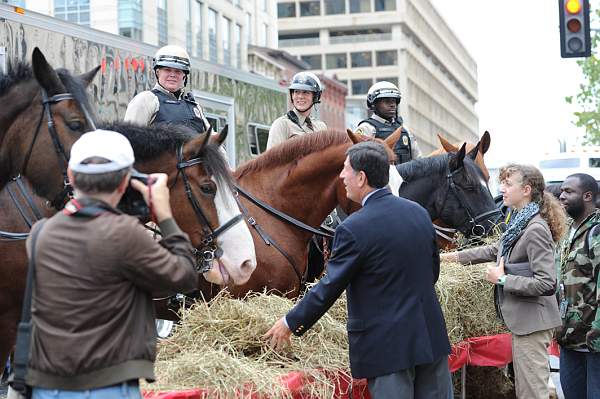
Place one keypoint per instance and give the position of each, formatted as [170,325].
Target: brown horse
[201,195]
[300,178]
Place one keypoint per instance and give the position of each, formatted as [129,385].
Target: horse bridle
[61,198]
[473,221]
[209,250]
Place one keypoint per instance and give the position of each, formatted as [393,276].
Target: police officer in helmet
[305,92]
[167,102]
[383,98]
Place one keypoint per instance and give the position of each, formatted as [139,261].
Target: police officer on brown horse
[168,102]
[383,99]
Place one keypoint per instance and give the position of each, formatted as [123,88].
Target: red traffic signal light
[575,38]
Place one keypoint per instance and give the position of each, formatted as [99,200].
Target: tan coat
[283,128]
[524,308]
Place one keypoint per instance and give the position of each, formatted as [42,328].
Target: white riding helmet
[382,89]
[172,56]
[307,81]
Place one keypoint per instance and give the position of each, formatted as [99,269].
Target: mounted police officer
[383,99]
[305,92]
[167,102]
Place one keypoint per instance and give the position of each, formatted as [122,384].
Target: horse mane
[292,150]
[153,141]
[22,72]
[435,165]
[16,73]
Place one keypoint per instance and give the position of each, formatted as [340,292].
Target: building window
[76,11]
[313,60]
[249,28]
[257,138]
[335,7]
[237,34]
[389,57]
[336,61]
[390,79]
[360,6]
[188,27]
[17,3]
[225,24]
[385,5]
[310,8]
[130,19]
[265,5]
[212,35]
[361,59]
[264,35]
[162,23]
[361,86]
[286,10]
[198,25]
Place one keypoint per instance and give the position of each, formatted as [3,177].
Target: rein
[268,240]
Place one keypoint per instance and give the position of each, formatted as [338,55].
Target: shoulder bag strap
[24,328]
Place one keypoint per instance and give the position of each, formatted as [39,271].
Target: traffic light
[574,28]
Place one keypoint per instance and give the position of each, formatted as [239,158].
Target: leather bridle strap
[282,216]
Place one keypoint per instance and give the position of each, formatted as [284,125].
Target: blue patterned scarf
[517,224]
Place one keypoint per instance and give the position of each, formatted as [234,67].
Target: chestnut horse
[201,195]
[300,178]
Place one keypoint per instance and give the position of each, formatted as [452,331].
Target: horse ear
[457,161]
[474,151]
[355,139]
[393,138]
[220,138]
[485,142]
[45,74]
[87,77]
[446,145]
[194,147]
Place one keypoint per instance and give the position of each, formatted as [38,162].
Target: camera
[132,202]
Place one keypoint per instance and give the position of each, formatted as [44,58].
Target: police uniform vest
[181,112]
[403,148]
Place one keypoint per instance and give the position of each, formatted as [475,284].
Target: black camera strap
[23,344]
[88,207]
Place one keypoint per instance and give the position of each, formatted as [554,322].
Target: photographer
[96,272]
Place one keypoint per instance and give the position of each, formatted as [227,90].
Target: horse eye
[75,125]
[208,189]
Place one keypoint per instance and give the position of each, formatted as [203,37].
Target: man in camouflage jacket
[579,335]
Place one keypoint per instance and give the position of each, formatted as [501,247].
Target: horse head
[453,189]
[483,147]
[201,195]
[42,108]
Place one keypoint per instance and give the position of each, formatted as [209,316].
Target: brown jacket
[525,308]
[92,312]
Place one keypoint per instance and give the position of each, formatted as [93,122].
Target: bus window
[594,163]
[559,163]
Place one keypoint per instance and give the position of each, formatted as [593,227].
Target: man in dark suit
[386,258]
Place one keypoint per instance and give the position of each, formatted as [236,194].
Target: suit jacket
[526,306]
[386,257]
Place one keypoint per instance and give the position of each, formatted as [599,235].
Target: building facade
[281,66]
[214,30]
[406,42]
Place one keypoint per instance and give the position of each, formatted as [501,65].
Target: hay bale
[218,345]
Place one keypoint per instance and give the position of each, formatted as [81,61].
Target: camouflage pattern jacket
[579,268]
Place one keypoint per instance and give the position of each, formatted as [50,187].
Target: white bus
[557,167]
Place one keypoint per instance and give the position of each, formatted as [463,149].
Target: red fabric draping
[493,350]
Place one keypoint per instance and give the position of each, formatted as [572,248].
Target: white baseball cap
[106,144]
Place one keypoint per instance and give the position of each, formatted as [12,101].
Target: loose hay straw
[218,346]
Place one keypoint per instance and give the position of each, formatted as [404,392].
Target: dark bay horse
[201,195]
[301,179]
[43,112]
